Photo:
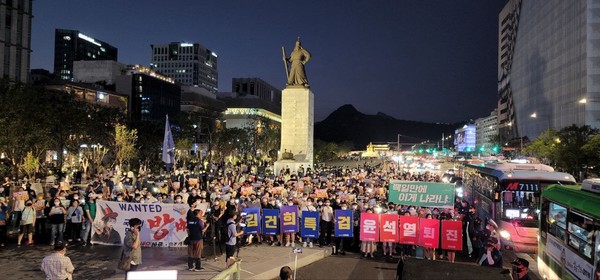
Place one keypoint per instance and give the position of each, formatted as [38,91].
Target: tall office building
[151,94]
[72,45]
[256,87]
[507,31]
[15,39]
[189,64]
[554,76]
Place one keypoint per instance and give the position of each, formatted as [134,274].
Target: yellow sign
[344,222]
[289,218]
[252,220]
[310,223]
[270,221]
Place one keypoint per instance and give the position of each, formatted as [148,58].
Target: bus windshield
[520,206]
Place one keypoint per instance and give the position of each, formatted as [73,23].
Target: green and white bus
[569,240]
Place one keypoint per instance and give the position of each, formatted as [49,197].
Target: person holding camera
[197,227]
[232,234]
[520,269]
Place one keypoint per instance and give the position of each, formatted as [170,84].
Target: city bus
[509,193]
[569,246]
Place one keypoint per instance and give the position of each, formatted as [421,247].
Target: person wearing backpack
[231,238]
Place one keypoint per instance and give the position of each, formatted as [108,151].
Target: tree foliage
[125,145]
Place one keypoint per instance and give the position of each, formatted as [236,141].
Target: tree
[182,151]
[124,145]
[325,151]
[570,154]
[544,147]
[30,165]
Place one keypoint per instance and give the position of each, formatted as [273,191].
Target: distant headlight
[505,234]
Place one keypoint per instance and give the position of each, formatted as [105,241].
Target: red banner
[452,235]
[389,228]
[369,227]
[408,230]
[429,233]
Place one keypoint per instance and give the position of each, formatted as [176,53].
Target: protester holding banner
[326,224]
[56,217]
[369,245]
[308,207]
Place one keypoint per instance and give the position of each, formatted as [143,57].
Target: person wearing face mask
[89,210]
[520,270]
[339,241]
[308,206]
[290,236]
[74,219]
[56,217]
[326,224]
[27,223]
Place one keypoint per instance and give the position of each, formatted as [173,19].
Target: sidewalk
[257,262]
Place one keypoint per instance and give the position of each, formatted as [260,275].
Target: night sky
[433,61]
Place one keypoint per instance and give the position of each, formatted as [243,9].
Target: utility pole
[398,144]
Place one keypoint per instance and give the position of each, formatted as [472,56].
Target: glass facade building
[72,45]
[555,73]
[15,39]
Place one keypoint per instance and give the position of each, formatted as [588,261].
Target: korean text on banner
[408,230]
[452,235]
[289,219]
[343,223]
[369,227]
[270,221]
[310,224]
[163,225]
[429,233]
[389,228]
[424,194]
[321,193]
[252,220]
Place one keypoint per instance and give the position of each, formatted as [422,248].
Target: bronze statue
[299,56]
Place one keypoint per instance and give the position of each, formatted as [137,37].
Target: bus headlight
[505,234]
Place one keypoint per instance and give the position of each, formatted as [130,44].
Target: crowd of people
[64,214]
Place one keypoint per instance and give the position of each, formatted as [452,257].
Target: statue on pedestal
[296,76]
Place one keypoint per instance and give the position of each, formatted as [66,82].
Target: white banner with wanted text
[163,225]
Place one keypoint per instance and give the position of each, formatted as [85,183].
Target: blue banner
[289,219]
[252,220]
[310,224]
[343,223]
[270,222]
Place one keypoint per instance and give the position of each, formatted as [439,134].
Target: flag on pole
[168,150]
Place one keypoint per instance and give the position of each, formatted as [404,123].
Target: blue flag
[168,150]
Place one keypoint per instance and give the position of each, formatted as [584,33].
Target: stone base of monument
[293,165]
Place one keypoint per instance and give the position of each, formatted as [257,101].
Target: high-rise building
[507,31]
[189,64]
[15,39]
[554,74]
[256,87]
[151,94]
[72,45]
[486,134]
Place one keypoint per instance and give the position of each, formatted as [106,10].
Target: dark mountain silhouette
[348,124]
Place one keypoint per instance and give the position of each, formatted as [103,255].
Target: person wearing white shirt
[326,223]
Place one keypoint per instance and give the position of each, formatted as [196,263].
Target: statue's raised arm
[297,59]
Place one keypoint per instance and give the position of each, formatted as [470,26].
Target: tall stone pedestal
[297,128]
